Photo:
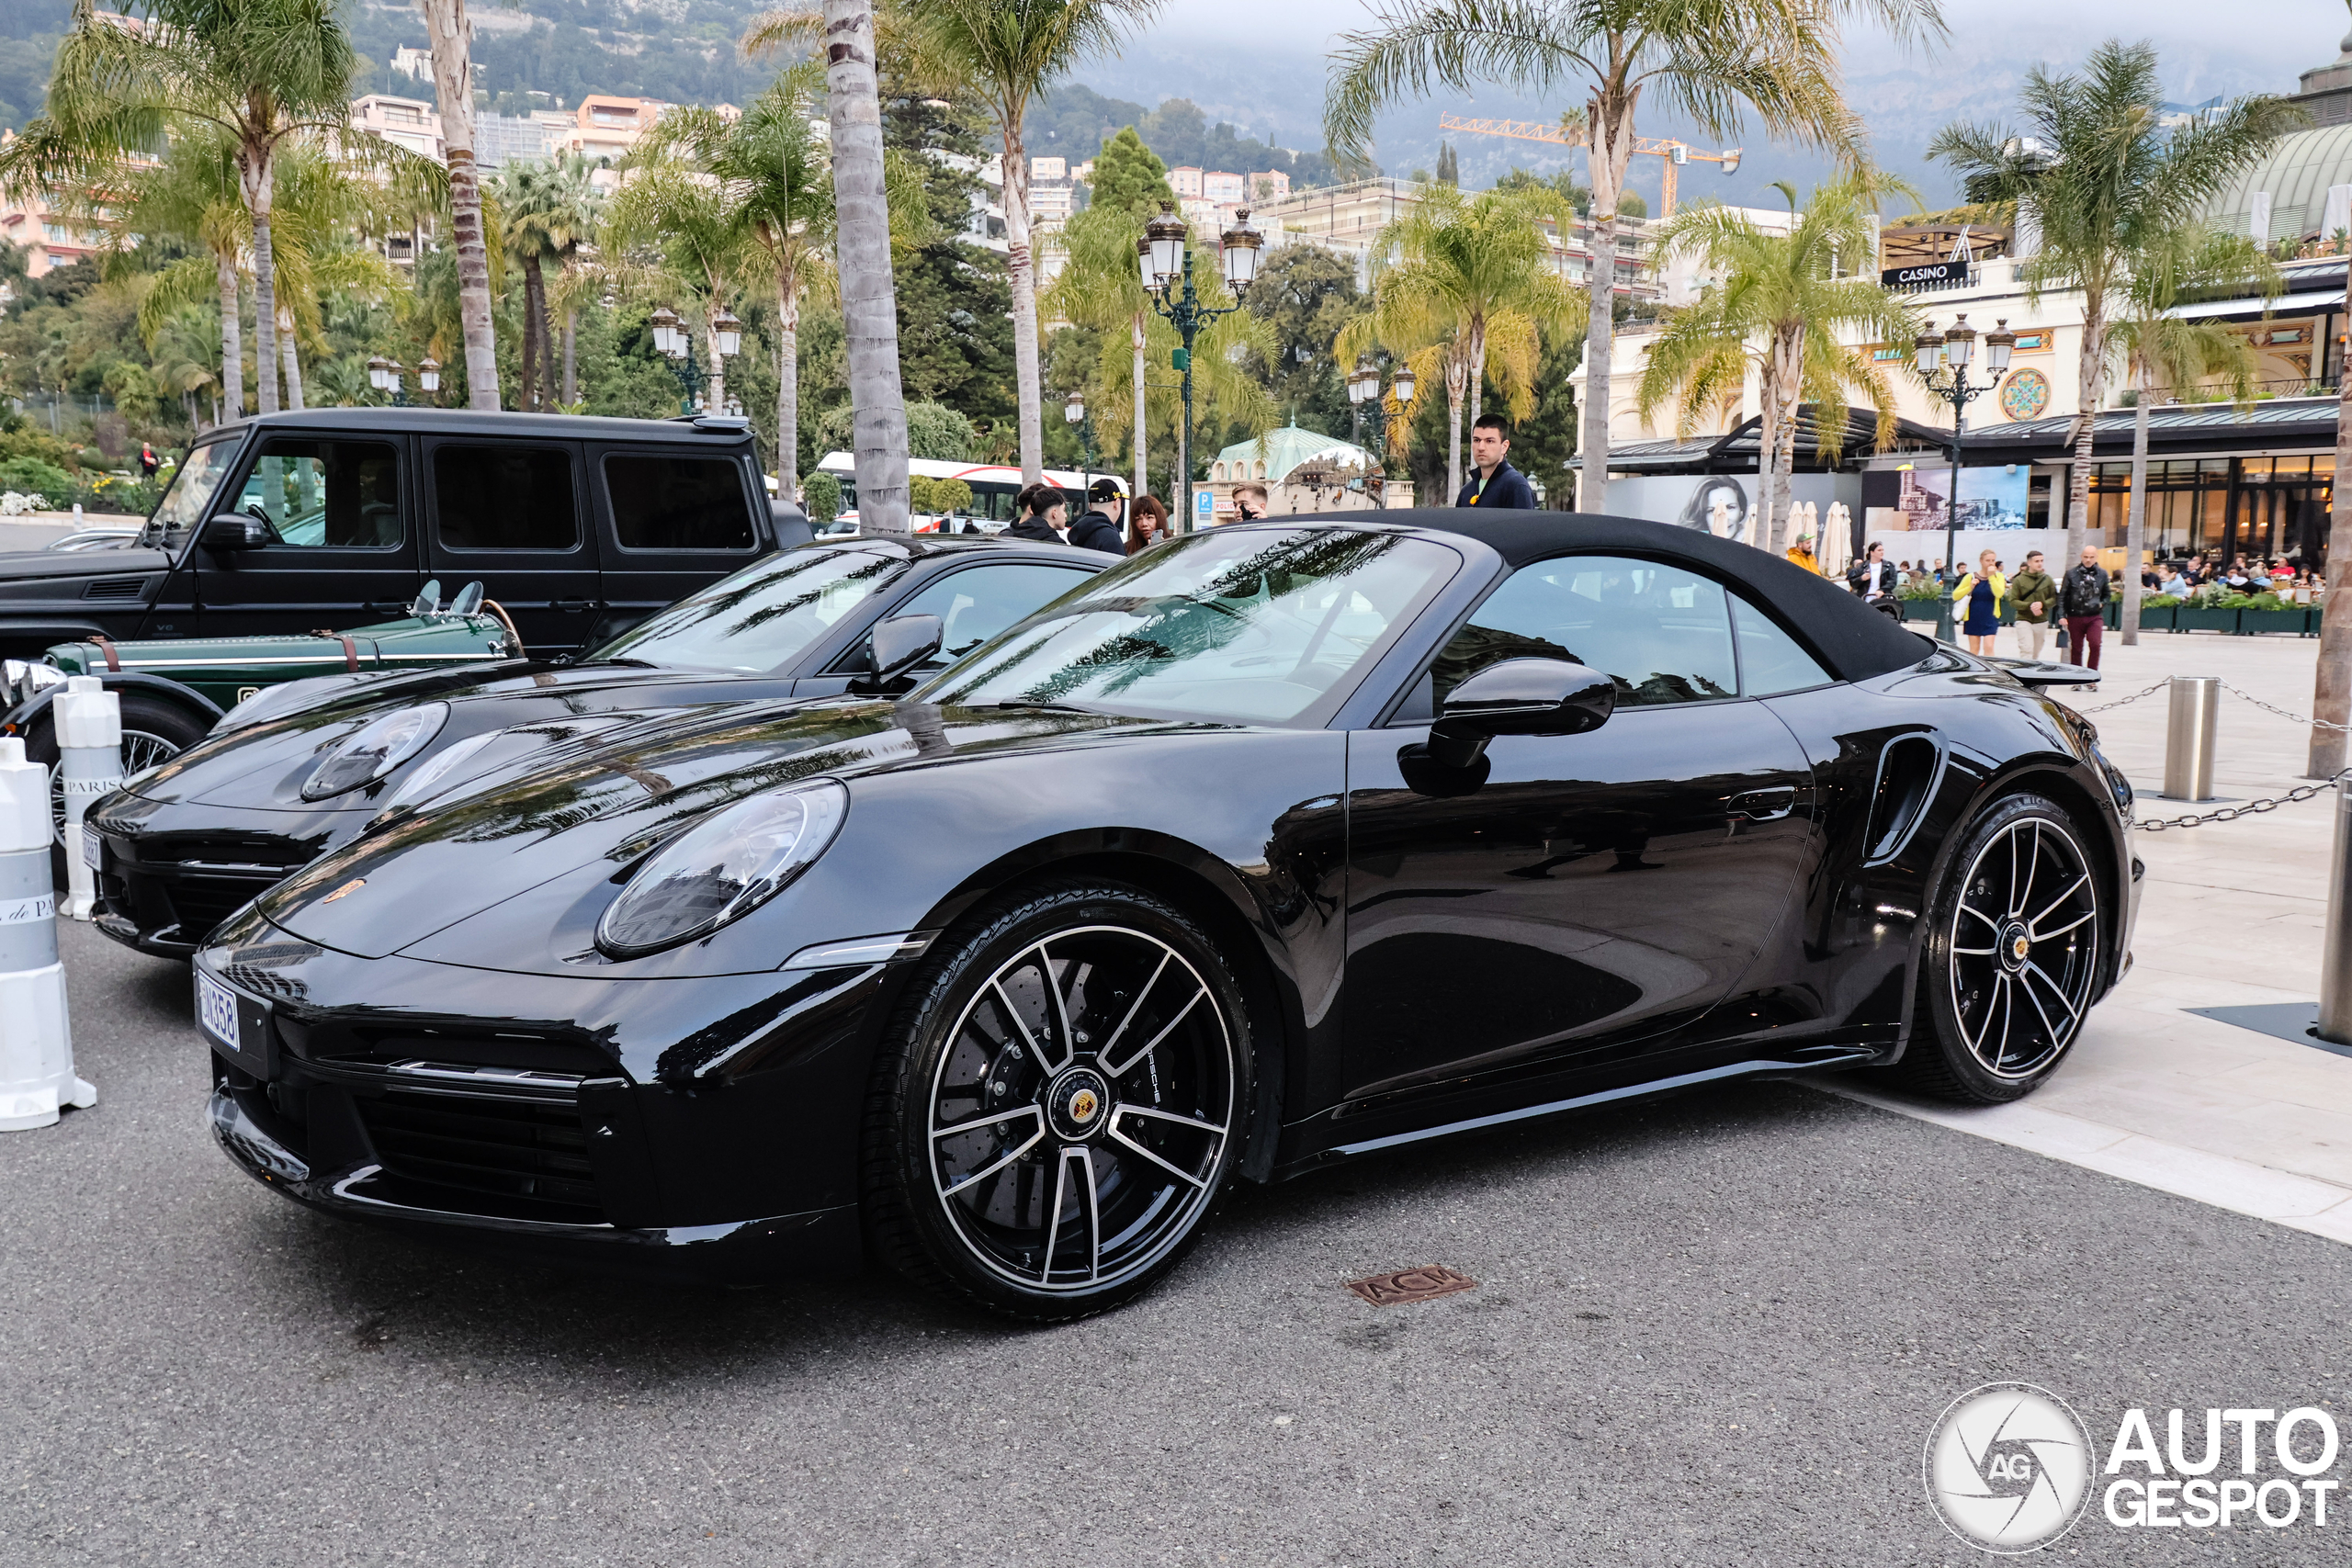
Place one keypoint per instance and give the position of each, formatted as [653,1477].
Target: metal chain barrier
[2251,808]
[2282,713]
[2161,685]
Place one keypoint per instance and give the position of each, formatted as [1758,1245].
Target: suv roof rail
[719,423]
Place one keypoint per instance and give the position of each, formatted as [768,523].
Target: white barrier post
[36,1043]
[89,764]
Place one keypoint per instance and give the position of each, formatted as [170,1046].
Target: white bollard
[36,1040]
[89,764]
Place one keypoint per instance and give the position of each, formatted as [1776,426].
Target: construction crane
[1673,154]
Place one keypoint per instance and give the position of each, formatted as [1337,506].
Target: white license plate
[91,851]
[216,1009]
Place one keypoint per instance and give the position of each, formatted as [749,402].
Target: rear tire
[2012,957]
[1090,1036]
[153,731]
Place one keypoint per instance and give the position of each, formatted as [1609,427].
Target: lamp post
[677,345]
[1363,387]
[428,376]
[385,376]
[1943,359]
[1074,412]
[1161,253]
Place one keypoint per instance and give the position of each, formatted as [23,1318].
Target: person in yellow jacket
[1802,553]
[1977,598]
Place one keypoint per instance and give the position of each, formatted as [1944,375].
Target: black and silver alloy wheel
[2014,955]
[1082,1087]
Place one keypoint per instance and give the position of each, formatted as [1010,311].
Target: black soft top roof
[1854,640]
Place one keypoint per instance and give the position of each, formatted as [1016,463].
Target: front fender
[201,708]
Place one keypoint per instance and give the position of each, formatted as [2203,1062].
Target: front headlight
[723,868]
[25,680]
[375,751]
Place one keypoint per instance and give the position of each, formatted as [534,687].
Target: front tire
[1059,1104]
[2012,957]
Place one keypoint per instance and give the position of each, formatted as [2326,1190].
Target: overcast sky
[1261,65]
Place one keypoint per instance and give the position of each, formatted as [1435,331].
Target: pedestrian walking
[1098,528]
[1980,593]
[1871,577]
[2036,597]
[1045,512]
[1147,523]
[2082,599]
[148,461]
[1496,483]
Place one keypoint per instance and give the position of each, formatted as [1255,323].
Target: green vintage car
[174,691]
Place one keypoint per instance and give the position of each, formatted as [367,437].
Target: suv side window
[323,495]
[978,603]
[1662,634]
[505,498]
[677,503]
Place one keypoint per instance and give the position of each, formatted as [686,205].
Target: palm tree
[192,194]
[545,213]
[671,207]
[2104,183]
[1007,53]
[1469,272]
[2161,349]
[1781,308]
[259,72]
[453,85]
[1100,288]
[1709,61]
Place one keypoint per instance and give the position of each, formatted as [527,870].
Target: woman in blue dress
[1977,597]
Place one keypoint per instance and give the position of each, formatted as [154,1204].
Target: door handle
[1764,804]
[572,605]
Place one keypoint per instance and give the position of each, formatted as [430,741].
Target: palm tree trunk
[546,325]
[232,346]
[787,391]
[2332,687]
[869,308]
[1610,148]
[2092,374]
[1453,389]
[1779,399]
[253,172]
[526,394]
[2135,518]
[1023,266]
[291,360]
[452,38]
[1136,336]
[570,358]
[718,395]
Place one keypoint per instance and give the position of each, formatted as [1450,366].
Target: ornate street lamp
[428,375]
[1161,254]
[1074,412]
[384,375]
[673,341]
[1364,390]
[1943,359]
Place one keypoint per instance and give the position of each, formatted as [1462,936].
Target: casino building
[2220,481]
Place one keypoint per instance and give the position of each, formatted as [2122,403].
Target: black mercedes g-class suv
[332,518]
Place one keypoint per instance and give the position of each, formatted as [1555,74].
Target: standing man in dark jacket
[1042,509]
[1099,528]
[1496,483]
[2082,599]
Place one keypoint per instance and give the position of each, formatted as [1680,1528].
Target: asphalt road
[1713,1330]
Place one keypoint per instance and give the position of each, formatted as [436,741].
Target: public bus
[994,486]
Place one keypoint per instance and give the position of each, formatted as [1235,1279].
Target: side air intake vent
[1907,766]
[114,588]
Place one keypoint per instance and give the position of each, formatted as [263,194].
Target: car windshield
[763,616]
[187,497]
[1252,626]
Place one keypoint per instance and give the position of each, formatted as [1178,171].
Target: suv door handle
[572,604]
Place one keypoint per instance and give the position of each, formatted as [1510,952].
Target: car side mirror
[233,533]
[1519,696]
[900,643]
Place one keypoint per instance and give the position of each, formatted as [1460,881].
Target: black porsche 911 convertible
[1280,844]
[261,796]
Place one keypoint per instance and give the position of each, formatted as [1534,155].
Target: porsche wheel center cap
[2016,946]
[1078,1103]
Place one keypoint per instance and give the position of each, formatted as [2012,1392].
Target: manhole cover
[1411,1285]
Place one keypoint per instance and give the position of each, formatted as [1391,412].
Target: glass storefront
[2275,507]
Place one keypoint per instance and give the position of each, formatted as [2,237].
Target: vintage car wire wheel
[1068,1104]
[141,751]
[2015,954]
